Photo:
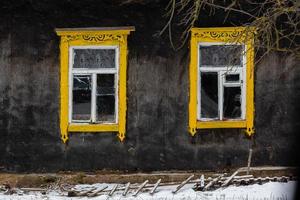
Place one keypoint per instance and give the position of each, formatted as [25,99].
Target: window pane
[209,95]
[221,55]
[232,102]
[94,58]
[106,97]
[229,78]
[81,97]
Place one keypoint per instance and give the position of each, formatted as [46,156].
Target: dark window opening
[105,97]
[209,95]
[81,97]
[232,103]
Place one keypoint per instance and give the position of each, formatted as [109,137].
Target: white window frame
[93,72]
[222,83]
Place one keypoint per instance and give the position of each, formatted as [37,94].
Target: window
[93,80]
[221,79]
[93,88]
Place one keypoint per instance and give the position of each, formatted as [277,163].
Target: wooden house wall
[157,136]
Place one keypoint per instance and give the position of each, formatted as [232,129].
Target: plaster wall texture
[157,92]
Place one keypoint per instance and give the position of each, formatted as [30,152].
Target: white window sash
[226,69]
[93,98]
[244,83]
[222,71]
[93,73]
[220,95]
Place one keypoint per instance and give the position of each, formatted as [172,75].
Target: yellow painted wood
[193,87]
[224,34]
[85,37]
[79,41]
[239,35]
[91,31]
[122,90]
[221,124]
[250,88]
[93,128]
[64,92]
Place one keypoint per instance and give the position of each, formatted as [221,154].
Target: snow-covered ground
[267,191]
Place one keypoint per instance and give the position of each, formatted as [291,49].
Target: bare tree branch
[277,21]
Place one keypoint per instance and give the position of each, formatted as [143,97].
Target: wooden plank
[130,28]
[182,184]
[96,192]
[33,189]
[267,168]
[226,182]
[155,186]
[202,183]
[249,160]
[126,189]
[74,193]
[140,188]
[212,182]
[244,176]
[113,190]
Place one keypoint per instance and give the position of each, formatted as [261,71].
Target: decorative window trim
[228,35]
[115,37]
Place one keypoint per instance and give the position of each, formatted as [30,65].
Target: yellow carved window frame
[234,35]
[92,37]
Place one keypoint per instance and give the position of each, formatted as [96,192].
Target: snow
[267,191]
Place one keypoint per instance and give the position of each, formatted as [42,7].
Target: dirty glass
[94,58]
[231,78]
[209,95]
[105,97]
[81,97]
[221,55]
[232,102]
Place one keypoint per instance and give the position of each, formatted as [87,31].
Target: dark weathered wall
[157,117]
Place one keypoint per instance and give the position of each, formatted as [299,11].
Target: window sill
[93,128]
[221,124]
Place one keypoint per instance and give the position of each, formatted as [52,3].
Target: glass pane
[94,58]
[81,97]
[106,97]
[221,55]
[232,78]
[232,102]
[209,95]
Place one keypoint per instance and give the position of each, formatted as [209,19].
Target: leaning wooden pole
[126,189]
[227,181]
[249,160]
[211,183]
[155,186]
[140,188]
[96,192]
[182,184]
[113,190]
